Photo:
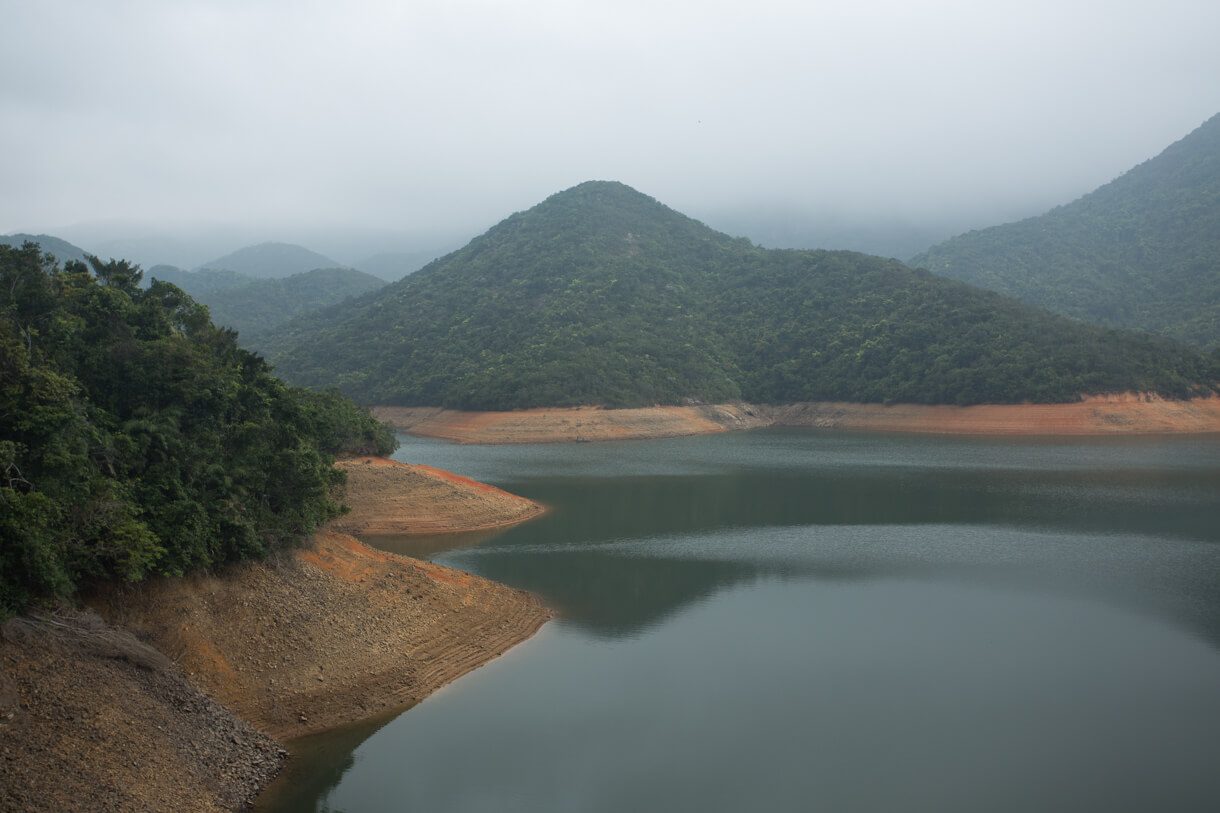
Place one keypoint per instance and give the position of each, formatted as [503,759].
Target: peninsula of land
[175,694]
[1131,413]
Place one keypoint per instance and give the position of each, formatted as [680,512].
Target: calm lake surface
[811,620]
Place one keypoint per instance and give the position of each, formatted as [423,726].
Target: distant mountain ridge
[271,261]
[602,295]
[252,306]
[1140,253]
[61,249]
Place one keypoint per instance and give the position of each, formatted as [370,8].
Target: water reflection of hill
[618,555]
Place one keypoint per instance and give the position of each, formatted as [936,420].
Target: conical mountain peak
[602,295]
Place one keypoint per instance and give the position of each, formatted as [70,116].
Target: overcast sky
[450,115]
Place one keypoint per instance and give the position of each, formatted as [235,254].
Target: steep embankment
[126,714]
[1095,415]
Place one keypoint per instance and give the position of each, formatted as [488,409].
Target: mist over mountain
[878,234]
[271,261]
[602,295]
[62,250]
[1141,252]
[393,266]
[252,306]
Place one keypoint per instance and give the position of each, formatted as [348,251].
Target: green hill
[601,295]
[202,284]
[271,260]
[251,306]
[61,250]
[1140,253]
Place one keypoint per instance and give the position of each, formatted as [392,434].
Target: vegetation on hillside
[1140,253]
[137,438]
[251,306]
[60,249]
[601,295]
[271,260]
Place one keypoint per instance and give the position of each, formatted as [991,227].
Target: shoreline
[176,693]
[334,634]
[1118,414]
[388,497]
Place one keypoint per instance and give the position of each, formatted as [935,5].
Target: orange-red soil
[335,633]
[389,497]
[122,713]
[1095,415]
[569,424]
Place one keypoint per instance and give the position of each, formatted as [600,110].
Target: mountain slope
[61,250]
[251,306]
[601,295]
[271,260]
[1141,252]
[199,284]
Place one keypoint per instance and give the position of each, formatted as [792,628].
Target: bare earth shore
[167,695]
[1131,413]
[389,497]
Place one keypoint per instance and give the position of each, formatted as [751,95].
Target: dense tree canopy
[138,438]
[1141,252]
[601,295]
[252,306]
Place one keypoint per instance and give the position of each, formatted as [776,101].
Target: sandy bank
[1095,415]
[388,497]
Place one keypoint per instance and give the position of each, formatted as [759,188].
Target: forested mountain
[199,284]
[1141,252]
[251,306]
[138,438]
[60,249]
[271,260]
[601,295]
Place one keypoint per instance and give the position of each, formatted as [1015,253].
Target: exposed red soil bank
[1095,415]
[569,424]
[156,707]
[388,497]
[333,634]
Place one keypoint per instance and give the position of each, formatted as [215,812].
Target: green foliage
[601,295]
[1140,253]
[252,306]
[271,260]
[138,438]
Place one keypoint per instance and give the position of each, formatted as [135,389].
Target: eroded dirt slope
[335,633]
[388,497]
[168,702]
[571,424]
[1133,413]
[93,720]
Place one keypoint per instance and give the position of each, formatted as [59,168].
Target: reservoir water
[786,620]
